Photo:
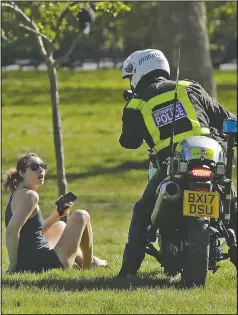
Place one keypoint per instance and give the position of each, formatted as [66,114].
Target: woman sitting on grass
[33,244]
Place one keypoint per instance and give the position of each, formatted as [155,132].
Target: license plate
[201,204]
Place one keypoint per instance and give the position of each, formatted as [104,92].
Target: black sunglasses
[36,166]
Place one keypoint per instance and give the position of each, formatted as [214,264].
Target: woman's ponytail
[11,180]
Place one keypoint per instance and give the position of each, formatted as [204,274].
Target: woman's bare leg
[79,258]
[87,241]
[53,235]
[77,233]
[69,242]
[86,257]
[86,244]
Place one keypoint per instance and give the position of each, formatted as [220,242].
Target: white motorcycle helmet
[141,62]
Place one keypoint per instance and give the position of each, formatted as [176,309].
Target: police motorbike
[193,221]
[192,216]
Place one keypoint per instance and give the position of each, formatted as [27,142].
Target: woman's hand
[67,208]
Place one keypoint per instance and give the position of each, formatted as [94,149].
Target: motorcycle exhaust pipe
[169,192]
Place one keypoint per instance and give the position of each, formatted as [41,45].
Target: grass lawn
[108,180]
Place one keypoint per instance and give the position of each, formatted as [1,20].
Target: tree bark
[185,23]
[58,139]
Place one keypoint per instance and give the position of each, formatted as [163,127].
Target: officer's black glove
[153,158]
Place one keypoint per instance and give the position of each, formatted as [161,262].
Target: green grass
[108,180]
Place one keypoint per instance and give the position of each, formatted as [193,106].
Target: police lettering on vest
[164,116]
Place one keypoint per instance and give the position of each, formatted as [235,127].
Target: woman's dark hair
[12,178]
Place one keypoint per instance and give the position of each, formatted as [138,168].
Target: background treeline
[115,38]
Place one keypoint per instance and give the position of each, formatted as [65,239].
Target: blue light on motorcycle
[220,169]
[183,167]
[230,126]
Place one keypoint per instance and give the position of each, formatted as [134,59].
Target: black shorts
[43,259]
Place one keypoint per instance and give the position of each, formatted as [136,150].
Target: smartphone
[69,197]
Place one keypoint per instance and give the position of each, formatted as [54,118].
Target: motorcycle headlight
[220,169]
[183,167]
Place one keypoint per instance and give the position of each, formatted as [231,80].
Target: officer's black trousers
[134,251]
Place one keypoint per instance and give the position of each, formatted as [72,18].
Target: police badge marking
[128,67]
[164,115]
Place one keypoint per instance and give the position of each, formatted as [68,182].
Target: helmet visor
[127,69]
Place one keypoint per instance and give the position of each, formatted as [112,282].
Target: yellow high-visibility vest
[146,109]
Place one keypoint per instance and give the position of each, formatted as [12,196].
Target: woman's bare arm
[22,208]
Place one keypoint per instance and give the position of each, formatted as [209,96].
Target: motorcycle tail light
[201,172]
[220,169]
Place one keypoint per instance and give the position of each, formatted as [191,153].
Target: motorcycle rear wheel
[195,268]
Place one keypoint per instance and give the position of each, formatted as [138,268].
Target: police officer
[147,117]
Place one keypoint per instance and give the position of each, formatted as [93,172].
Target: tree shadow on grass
[98,169]
[98,283]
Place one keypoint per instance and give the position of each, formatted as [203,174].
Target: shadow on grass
[99,283]
[100,170]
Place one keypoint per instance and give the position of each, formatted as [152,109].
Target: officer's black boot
[132,260]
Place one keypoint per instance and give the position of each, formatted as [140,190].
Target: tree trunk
[58,139]
[186,23]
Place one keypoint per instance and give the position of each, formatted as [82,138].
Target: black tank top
[31,236]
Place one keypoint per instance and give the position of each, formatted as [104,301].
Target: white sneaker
[97,262]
